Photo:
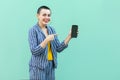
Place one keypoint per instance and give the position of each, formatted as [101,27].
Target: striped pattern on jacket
[39,54]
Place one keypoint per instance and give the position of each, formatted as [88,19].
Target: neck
[41,25]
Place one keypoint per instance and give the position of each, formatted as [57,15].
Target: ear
[37,15]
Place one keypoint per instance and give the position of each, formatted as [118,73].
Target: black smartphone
[74,31]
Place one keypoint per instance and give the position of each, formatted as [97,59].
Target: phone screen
[74,31]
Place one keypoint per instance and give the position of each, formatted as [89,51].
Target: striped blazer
[39,54]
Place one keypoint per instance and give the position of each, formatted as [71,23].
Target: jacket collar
[40,30]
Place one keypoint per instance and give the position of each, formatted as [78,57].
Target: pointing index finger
[55,34]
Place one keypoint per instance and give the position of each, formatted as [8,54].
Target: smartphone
[74,31]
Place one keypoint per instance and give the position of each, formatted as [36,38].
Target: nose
[47,16]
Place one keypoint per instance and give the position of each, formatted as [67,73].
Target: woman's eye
[49,15]
[44,14]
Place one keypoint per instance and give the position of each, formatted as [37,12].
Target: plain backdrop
[94,55]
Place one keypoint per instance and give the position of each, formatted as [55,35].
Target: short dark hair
[42,7]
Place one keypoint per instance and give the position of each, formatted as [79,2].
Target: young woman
[44,45]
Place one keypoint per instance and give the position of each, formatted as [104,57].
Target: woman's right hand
[50,37]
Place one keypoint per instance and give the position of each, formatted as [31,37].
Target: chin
[45,23]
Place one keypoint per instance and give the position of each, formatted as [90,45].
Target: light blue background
[94,55]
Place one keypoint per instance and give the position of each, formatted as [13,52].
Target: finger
[55,34]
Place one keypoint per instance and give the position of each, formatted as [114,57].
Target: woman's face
[44,16]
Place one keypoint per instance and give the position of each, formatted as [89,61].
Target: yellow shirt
[50,56]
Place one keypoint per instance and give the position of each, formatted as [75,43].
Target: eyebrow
[46,14]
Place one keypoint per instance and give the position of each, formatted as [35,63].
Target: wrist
[46,40]
[69,36]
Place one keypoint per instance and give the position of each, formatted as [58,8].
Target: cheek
[41,18]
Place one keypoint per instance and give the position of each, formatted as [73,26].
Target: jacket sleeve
[35,48]
[60,46]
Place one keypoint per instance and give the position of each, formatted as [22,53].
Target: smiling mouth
[46,21]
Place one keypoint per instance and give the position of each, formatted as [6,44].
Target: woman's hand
[50,37]
[66,41]
[68,38]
